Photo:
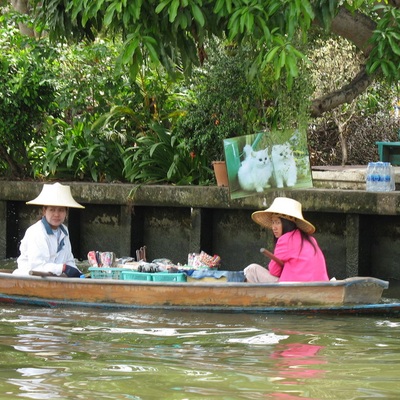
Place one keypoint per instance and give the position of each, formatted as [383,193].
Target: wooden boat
[352,295]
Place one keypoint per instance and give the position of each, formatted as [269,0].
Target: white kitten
[255,170]
[285,170]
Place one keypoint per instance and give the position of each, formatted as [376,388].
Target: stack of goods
[204,267]
[101,258]
[203,260]
[104,265]
[159,270]
[141,254]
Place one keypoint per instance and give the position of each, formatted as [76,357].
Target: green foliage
[325,11]
[159,156]
[49,98]
[173,32]
[225,103]
[27,95]
[95,114]
[53,13]
[73,152]
[385,56]
[87,82]
[293,108]
[106,110]
[153,98]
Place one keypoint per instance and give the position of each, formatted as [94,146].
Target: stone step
[350,177]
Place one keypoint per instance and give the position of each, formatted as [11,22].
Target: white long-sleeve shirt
[44,250]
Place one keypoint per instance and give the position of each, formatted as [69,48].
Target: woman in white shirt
[46,247]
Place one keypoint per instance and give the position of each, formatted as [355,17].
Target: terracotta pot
[221,173]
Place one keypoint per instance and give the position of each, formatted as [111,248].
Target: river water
[70,353]
[65,353]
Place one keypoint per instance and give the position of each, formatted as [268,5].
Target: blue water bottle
[387,177]
[369,177]
[374,177]
[380,177]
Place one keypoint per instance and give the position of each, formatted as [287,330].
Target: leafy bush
[72,151]
[26,97]
[87,83]
[159,156]
[225,103]
[66,113]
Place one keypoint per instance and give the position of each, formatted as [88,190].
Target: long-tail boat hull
[352,295]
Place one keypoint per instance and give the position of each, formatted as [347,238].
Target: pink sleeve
[281,251]
[274,268]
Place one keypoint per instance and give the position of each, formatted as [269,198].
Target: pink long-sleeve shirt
[301,264]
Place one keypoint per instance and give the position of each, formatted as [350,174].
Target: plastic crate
[154,276]
[136,276]
[169,277]
[106,272]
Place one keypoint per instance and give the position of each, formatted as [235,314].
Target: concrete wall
[358,231]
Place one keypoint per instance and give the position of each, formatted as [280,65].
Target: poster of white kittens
[267,160]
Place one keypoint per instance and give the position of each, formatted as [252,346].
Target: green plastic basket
[169,277]
[155,276]
[136,276]
[105,272]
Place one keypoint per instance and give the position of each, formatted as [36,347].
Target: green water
[102,354]
[92,354]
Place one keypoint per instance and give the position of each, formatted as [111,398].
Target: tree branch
[344,95]
[358,29]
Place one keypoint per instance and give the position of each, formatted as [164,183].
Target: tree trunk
[22,6]
[343,145]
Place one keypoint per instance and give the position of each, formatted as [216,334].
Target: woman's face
[277,228]
[55,216]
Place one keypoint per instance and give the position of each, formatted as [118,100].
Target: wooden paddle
[271,256]
[39,273]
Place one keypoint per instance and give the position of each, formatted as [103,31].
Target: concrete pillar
[352,244]
[195,232]
[201,230]
[3,229]
[126,226]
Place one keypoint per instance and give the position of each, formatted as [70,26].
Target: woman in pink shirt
[303,260]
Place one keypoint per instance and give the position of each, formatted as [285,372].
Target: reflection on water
[291,359]
[92,354]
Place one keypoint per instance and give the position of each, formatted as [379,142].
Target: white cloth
[256,273]
[44,251]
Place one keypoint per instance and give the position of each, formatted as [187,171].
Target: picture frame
[267,161]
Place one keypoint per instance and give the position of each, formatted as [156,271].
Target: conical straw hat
[56,195]
[285,208]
